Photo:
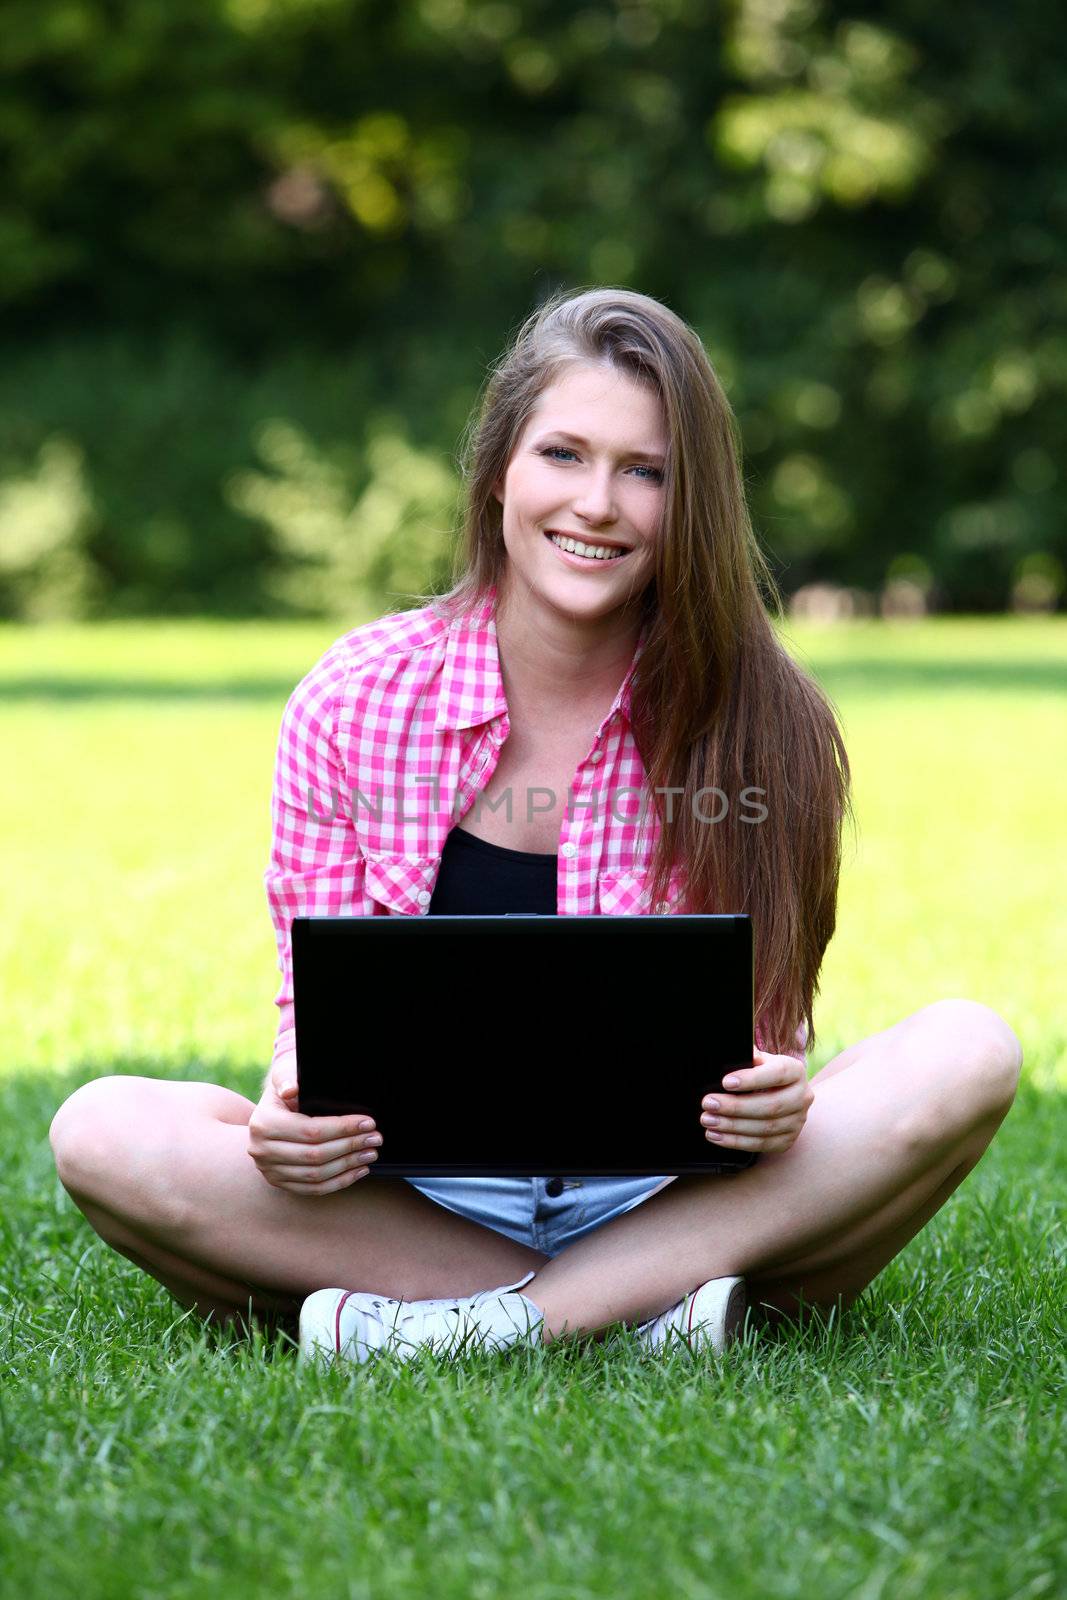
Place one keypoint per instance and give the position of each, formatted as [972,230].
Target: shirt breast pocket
[627,894]
[400,885]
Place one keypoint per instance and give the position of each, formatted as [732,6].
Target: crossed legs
[161,1171]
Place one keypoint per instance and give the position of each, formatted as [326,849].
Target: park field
[912,1449]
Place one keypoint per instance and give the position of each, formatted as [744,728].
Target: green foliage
[864,220]
[44,519]
[288,491]
[336,551]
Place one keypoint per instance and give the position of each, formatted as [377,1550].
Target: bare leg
[213,1297]
[162,1172]
[899,1120]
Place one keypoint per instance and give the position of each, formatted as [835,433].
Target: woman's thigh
[947,1074]
[170,1161]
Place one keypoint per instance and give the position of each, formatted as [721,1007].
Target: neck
[562,669]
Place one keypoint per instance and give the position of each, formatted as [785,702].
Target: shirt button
[554,1186]
[424,897]
[568,849]
[596,755]
[662,907]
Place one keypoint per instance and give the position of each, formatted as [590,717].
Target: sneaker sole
[320,1317]
[722,1306]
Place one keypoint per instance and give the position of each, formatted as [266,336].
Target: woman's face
[589,465]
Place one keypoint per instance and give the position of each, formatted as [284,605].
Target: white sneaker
[711,1317]
[339,1324]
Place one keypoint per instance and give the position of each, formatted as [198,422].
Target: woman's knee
[972,1061]
[116,1142]
[990,1054]
[87,1122]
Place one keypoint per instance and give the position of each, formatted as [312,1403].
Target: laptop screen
[511,1045]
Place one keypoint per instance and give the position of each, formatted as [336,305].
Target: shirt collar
[472,685]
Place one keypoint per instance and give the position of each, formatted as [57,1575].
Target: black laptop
[525,1045]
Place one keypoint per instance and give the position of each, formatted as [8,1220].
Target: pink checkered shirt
[384,746]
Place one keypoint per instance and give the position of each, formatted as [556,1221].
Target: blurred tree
[221,215]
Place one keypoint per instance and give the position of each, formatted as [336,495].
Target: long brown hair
[716,700]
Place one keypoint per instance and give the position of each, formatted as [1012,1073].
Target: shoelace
[392,1322]
[388,1323]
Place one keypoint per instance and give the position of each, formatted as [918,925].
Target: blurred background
[256,256]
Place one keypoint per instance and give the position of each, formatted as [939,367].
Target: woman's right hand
[307,1155]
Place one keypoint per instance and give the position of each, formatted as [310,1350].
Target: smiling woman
[598,504]
[608,632]
[606,430]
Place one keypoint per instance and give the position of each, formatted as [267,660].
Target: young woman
[607,633]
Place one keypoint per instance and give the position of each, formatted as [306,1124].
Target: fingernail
[731,1082]
[711,1105]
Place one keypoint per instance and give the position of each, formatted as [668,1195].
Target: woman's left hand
[769,1109]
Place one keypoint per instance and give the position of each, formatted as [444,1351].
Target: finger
[767,1072]
[318,1130]
[751,1127]
[741,1141]
[781,1103]
[315,1191]
[288,1152]
[315,1177]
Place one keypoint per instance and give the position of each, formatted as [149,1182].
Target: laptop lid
[525,1045]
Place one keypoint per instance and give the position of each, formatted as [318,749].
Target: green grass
[913,1447]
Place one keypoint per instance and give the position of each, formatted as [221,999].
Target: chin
[584,607]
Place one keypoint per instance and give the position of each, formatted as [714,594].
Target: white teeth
[598,552]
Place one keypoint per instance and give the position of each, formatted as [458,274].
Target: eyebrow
[576,438]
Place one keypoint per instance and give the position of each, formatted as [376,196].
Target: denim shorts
[548,1214]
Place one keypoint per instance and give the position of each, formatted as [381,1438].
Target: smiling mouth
[597,554]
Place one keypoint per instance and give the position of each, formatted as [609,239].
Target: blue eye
[561,449]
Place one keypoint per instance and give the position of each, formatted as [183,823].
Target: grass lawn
[915,1448]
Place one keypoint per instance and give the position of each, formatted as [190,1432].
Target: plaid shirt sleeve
[314,867]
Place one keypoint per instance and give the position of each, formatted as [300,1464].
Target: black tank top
[477,878]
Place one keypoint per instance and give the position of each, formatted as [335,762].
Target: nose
[597,503]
